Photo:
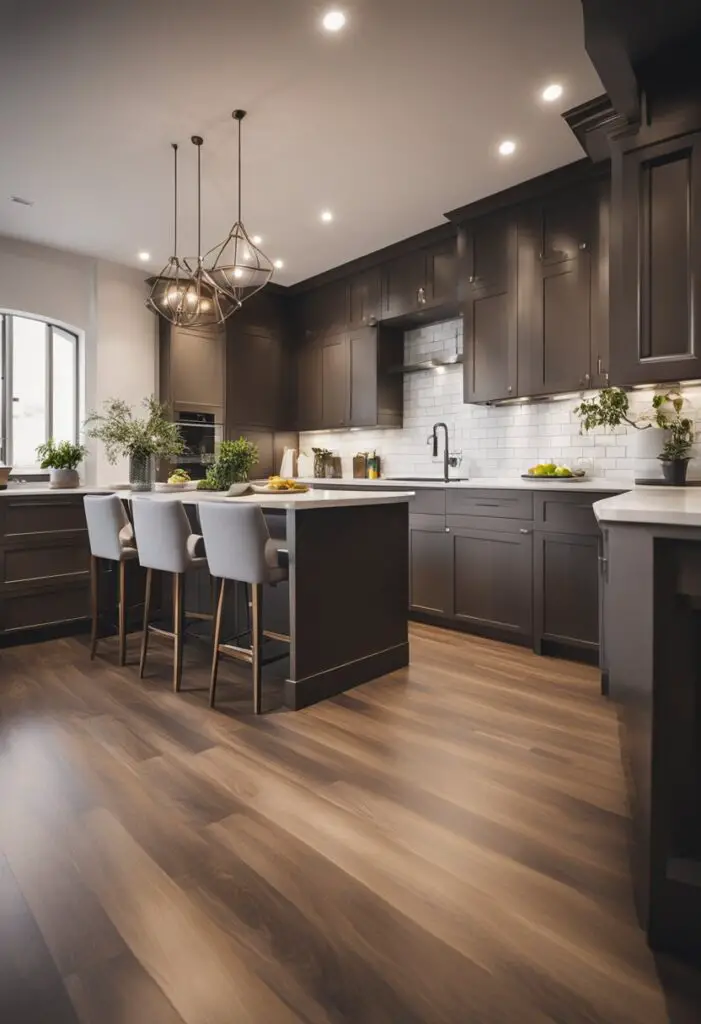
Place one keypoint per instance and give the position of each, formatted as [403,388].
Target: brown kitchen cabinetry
[309,386]
[335,382]
[656,263]
[364,298]
[431,566]
[422,279]
[489,299]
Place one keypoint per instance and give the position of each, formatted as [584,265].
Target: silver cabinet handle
[447,529]
[509,389]
[523,530]
[421,296]
[583,246]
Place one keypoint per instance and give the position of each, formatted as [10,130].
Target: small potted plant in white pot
[62,461]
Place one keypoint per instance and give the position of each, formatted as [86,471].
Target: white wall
[499,441]
[104,302]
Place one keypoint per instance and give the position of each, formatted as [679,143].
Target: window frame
[7,318]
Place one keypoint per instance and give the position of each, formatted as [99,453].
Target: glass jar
[141,472]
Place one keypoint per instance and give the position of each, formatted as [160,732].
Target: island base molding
[300,693]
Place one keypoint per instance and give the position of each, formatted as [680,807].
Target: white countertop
[514,483]
[310,499]
[660,506]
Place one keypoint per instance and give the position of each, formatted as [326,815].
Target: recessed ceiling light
[552,92]
[327,216]
[256,239]
[279,264]
[334,21]
[507,147]
[144,257]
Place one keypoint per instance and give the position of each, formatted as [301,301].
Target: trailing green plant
[678,447]
[123,434]
[64,455]
[611,407]
[232,465]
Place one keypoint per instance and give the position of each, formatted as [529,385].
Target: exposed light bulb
[334,21]
[238,272]
[205,305]
[552,92]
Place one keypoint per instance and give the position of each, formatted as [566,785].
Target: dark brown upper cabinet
[420,280]
[324,310]
[309,386]
[364,298]
[561,342]
[488,290]
[335,382]
[656,263]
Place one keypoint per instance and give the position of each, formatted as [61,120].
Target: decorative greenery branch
[611,407]
[139,438]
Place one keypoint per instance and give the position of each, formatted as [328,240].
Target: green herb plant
[232,465]
[678,447]
[124,434]
[64,455]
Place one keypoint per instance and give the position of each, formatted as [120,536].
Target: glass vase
[141,472]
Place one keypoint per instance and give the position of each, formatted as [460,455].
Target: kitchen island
[651,658]
[345,606]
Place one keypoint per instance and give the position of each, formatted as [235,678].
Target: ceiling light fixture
[144,257]
[256,239]
[239,268]
[183,296]
[333,21]
[279,264]
[327,216]
[552,92]
[507,147]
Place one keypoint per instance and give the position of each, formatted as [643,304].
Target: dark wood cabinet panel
[493,585]
[442,273]
[335,382]
[657,293]
[566,588]
[253,379]
[497,504]
[324,310]
[431,562]
[309,387]
[364,297]
[404,285]
[561,326]
[362,360]
[489,271]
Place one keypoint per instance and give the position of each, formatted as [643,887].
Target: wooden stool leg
[147,611]
[215,646]
[178,630]
[122,614]
[94,579]
[256,642]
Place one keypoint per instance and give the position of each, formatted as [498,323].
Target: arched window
[40,393]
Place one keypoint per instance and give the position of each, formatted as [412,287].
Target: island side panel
[349,598]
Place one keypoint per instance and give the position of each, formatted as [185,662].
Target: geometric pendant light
[237,266]
[183,294]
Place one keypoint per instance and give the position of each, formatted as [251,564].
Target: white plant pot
[62,478]
[648,445]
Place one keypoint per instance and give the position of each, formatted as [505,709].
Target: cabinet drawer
[567,512]
[496,504]
[457,523]
[427,523]
[27,515]
[44,561]
[44,607]
[428,502]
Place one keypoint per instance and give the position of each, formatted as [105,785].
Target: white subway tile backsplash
[495,441]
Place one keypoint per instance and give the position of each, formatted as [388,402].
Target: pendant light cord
[199,201]
[175,198]
[239,218]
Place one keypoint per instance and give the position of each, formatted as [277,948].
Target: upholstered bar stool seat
[166,543]
[239,548]
[111,539]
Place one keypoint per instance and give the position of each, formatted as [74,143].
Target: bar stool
[239,548]
[111,538]
[166,543]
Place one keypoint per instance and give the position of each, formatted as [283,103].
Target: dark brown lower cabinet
[566,578]
[493,569]
[431,566]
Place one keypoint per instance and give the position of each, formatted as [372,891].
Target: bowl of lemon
[549,471]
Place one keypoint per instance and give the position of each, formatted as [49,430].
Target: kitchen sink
[428,479]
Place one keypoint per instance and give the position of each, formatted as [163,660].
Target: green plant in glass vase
[140,439]
[232,465]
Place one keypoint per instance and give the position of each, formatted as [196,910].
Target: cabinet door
[657,289]
[441,273]
[196,369]
[335,382]
[490,303]
[431,566]
[309,388]
[253,378]
[404,284]
[362,355]
[566,588]
[323,310]
[364,298]
[493,586]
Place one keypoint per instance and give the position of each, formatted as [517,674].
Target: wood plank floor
[447,845]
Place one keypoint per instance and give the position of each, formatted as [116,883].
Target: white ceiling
[389,123]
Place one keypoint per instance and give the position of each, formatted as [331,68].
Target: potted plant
[61,460]
[610,408]
[232,466]
[675,454]
[141,440]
